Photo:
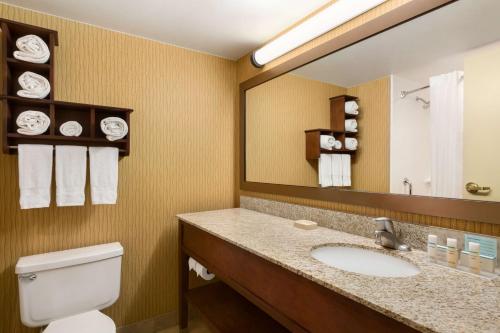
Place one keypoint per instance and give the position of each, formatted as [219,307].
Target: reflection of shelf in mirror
[337,151]
[28,66]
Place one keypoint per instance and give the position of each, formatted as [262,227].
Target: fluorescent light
[324,21]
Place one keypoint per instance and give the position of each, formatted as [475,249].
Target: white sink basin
[363,261]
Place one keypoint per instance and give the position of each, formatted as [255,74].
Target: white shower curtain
[447,108]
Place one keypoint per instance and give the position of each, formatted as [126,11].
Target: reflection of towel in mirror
[351,107]
[325,171]
[351,143]
[32,122]
[351,125]
[71,128]
[34,85]
[327,142]
[32,49]
[346,169]
[115,128]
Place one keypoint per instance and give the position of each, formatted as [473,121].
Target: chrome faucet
[386,236]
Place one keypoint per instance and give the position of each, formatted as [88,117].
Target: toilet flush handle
[30,277]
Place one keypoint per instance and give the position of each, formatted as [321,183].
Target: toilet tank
[59,284]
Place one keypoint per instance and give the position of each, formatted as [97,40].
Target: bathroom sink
[363,261]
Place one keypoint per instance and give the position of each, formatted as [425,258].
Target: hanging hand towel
[346,169]
[71,172]
[351,107]
[351,143]
[103,175]
[32,123]
[115,128]
[337,171]
[325,170]
[35,175]
[34,85]
[327,142]
[32,49]
[351,125]
[71,128]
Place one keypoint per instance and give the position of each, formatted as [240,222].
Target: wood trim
[471,210]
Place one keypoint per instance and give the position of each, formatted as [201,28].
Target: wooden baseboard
[151,325]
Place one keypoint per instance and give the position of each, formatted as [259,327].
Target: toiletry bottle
[431,247]
[452,252]
[474,258]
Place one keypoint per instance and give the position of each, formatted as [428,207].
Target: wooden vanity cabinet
[296,303]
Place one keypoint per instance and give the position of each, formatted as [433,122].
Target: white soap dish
[305,224]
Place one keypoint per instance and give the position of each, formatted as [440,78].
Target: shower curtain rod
[404,93]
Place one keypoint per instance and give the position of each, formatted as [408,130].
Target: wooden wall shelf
[89,116]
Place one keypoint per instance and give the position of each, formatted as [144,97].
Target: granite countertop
[438,299]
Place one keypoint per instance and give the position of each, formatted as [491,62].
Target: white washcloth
[346,169]
[327,142]
[71,173]
[337,145]
[351,143]
[103,175]
[337,169]
[351,125]
[32,49]
[351,107]
[34,85]
[115,128]
[71,128]
[32,123]
[325,170]
[35,175]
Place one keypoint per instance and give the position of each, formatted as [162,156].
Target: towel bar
[120,150]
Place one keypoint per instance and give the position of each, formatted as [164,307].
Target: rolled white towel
[327,142]
[351,125]
[351,107]
[115,128]
[34,85]
[71,128]
[32,49]
[337,145]
[32,122]
[351,143]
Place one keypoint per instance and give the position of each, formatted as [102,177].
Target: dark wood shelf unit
[89,116]
[313,147]
[226,311]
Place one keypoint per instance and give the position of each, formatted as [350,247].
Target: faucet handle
[384,224]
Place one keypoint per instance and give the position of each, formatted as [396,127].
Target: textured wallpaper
[182,159]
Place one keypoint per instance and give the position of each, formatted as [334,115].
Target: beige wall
[182,159]
[481,120]
[278,112]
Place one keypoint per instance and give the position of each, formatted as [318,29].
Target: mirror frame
[464,209]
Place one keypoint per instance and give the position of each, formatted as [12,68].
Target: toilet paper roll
[202,272]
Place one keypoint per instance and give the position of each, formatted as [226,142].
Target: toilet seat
[88,322]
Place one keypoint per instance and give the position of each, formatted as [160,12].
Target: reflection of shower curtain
[447,108]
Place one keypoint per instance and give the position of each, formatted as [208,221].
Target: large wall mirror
[412,111]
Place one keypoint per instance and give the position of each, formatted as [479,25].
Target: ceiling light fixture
[331,17]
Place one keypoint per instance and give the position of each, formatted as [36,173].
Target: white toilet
[65,290]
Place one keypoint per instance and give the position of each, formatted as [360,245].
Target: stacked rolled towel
[351,143]
[32,122]
[351,125]
[115,128]
[351,107]
[71,128]
[32,49]
[327,142]
[34,85]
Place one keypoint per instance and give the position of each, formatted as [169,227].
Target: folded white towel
[71,173]
[337,169]
[115,128]
[351,107]
[351,143]
[34,85]
[325,170]
[346,169]
[35,175]
[327,142]
[71,128]
[32,123]
[32,49]
[351,125]
[103,174]
[337,145]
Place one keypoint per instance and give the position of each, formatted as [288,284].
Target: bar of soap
[305,224]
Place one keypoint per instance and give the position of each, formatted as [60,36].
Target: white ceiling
[439,37]
[227,28]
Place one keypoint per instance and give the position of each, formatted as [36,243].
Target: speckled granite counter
[438,299]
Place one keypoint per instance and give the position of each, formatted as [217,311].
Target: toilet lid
[88,322]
